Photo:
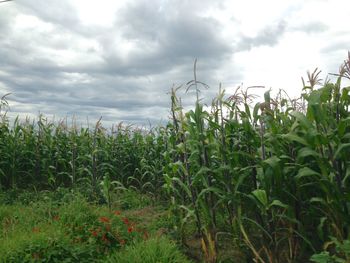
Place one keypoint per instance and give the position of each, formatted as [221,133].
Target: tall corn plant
[275,176]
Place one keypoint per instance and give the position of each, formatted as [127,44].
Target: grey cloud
[102,80]
[315,27]
[6,20]
[341,45]
[311,27]
[269,36]
[60,13]
[169,39]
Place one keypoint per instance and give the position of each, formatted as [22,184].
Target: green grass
[154,250]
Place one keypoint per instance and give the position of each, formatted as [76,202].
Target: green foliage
[44,249]
[274,176]
[130,199]
[156,250]
[340,252]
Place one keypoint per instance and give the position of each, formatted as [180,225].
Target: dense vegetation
[61,226]
[271,180]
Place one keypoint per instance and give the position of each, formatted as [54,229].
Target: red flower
[104,219]
[130,229]
[126,221]
[94,233]
[117,213]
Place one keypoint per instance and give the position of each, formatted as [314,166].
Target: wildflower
[104,219]
[94,233]
[126,221]
[117,213]
[130,229]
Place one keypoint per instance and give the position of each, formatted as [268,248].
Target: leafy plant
[340,252]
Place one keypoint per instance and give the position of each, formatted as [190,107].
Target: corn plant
[273,175]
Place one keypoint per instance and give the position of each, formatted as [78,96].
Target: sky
[119,59]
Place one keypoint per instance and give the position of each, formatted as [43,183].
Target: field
[238,181]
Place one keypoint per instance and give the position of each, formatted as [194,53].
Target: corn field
[272,178]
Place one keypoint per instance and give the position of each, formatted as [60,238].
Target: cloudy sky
[119,59]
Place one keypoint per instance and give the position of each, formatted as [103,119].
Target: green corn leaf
[218,192]
[255,112]
[292,137]
[261,196]
[318,200]
[322,257]
[273,161]
[277,203]
[307,152]
[301,118]
[340,149]
[182,185]
[189,213]
[346,177]
[307,172]
[320,227]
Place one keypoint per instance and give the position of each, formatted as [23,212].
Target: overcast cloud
[119,59]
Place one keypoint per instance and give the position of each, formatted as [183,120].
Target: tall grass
[274,176]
